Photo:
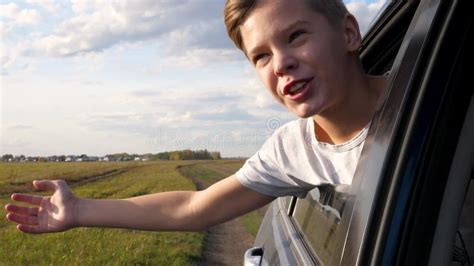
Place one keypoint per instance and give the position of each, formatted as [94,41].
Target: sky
[140,76]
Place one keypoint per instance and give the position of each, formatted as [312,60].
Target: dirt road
[226,244]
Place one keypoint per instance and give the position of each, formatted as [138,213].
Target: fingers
[22,215]
[20,219]
[49,185]
[30,229]
[25,211]
[31,199]
[25,217]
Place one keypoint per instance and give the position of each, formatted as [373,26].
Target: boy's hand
[51,213]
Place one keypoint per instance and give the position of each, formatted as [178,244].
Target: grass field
[18,176]
[92,246]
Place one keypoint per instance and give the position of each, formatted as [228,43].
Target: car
[411,201]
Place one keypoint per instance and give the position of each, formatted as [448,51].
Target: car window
[405,155]
[288,203]
[412,143]
[463,252]
[322,217]
[318,217]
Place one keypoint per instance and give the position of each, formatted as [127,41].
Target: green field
[92,246]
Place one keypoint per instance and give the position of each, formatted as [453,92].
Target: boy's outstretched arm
[167,211]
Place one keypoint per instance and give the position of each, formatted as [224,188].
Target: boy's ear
[352,33]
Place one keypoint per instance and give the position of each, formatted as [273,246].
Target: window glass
[323,216]
[287,203]
[463,251]
[318,217]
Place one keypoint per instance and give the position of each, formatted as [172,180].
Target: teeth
[297,86]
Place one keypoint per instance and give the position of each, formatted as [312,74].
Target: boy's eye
[295,35]
[258,58]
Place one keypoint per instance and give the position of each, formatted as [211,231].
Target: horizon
[109,154]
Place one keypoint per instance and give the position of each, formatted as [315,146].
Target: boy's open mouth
[295,89]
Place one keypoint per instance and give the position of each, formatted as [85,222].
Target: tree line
[187,155]
[168,155]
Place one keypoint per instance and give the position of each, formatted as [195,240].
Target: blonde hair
[236,11]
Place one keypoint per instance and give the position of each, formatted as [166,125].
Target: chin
[303,112]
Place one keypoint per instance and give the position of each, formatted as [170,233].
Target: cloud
[99,25]
[212,34]
[14,143]
[232,131]
[144,93]
[49,5]
[17,17]
[249,95]
[15,137]
[231,116]
[12,18]
[17,127]
[9,59]
[196,58]
[211,109]
[8,10]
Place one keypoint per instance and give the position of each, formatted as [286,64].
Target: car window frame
[377,234]
[390,17]
[365,239]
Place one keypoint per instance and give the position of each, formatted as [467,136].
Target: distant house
[70,158]
[110,158]
[125,158]
[91,159]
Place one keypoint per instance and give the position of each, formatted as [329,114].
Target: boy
[306,54]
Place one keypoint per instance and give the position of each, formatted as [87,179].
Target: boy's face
[300,57]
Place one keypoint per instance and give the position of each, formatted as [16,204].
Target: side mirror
[253,256]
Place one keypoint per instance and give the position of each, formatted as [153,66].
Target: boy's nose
[284,63]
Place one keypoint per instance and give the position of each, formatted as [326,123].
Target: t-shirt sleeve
[265,172]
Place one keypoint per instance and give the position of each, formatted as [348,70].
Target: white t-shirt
[292,161]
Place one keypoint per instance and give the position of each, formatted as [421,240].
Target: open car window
[403,173]
[318,217]
[399,208]
[322,217]
[383,217]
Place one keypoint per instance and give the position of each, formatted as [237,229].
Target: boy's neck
[354,114]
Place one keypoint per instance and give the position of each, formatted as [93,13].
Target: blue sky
[137,76]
